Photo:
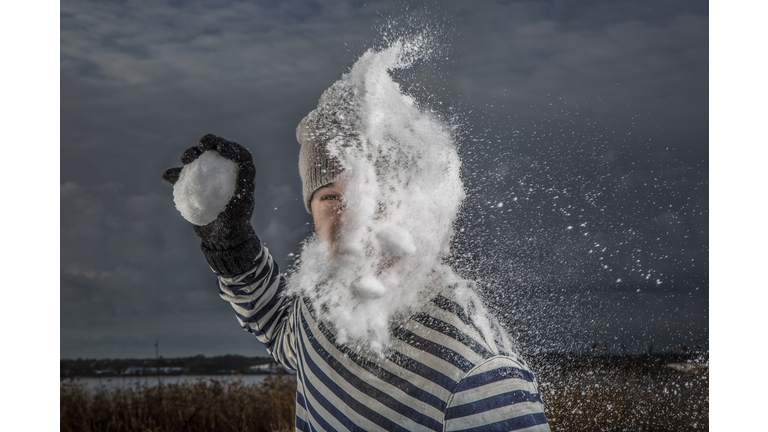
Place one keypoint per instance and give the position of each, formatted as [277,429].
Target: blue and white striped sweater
[441,373]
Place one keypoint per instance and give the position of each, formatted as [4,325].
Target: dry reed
[625,400]
[189,407]
[580,399]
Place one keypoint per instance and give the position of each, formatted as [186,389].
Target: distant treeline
[197,365]
[237,364]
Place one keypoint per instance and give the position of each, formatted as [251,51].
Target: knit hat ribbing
[335,120]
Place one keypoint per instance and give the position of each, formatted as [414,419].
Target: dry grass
[576,399]
[202,406]
[617,399]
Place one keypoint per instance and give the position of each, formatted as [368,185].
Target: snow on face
[401,197]
[204,187]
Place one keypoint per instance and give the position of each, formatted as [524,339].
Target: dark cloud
[602,105]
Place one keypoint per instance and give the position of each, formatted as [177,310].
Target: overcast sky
[587,121]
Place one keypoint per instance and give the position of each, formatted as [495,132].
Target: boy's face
[327,211]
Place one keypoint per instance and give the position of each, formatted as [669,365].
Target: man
[445,366]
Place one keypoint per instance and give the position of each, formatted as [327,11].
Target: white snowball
[204,188]
[370,287]
[396,241]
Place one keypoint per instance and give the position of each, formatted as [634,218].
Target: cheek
[323,221]
[334,221]
[327,220]
[318,219]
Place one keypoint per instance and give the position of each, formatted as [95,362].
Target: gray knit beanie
[335,120]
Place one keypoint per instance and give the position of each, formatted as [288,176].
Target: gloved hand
[228,243]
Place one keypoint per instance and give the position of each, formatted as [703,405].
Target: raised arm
[262,308]
[248,277]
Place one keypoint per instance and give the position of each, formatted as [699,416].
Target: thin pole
[157,359]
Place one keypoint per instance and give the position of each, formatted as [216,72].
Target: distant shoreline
[691,361]
[160,366]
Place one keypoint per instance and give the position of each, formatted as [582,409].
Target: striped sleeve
[498,394]
[263,308]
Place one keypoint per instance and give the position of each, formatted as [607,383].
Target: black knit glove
[229,243]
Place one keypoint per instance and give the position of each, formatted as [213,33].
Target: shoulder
[459,307]
[498,393]
[501,370]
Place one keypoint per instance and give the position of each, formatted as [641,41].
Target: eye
[331,197]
